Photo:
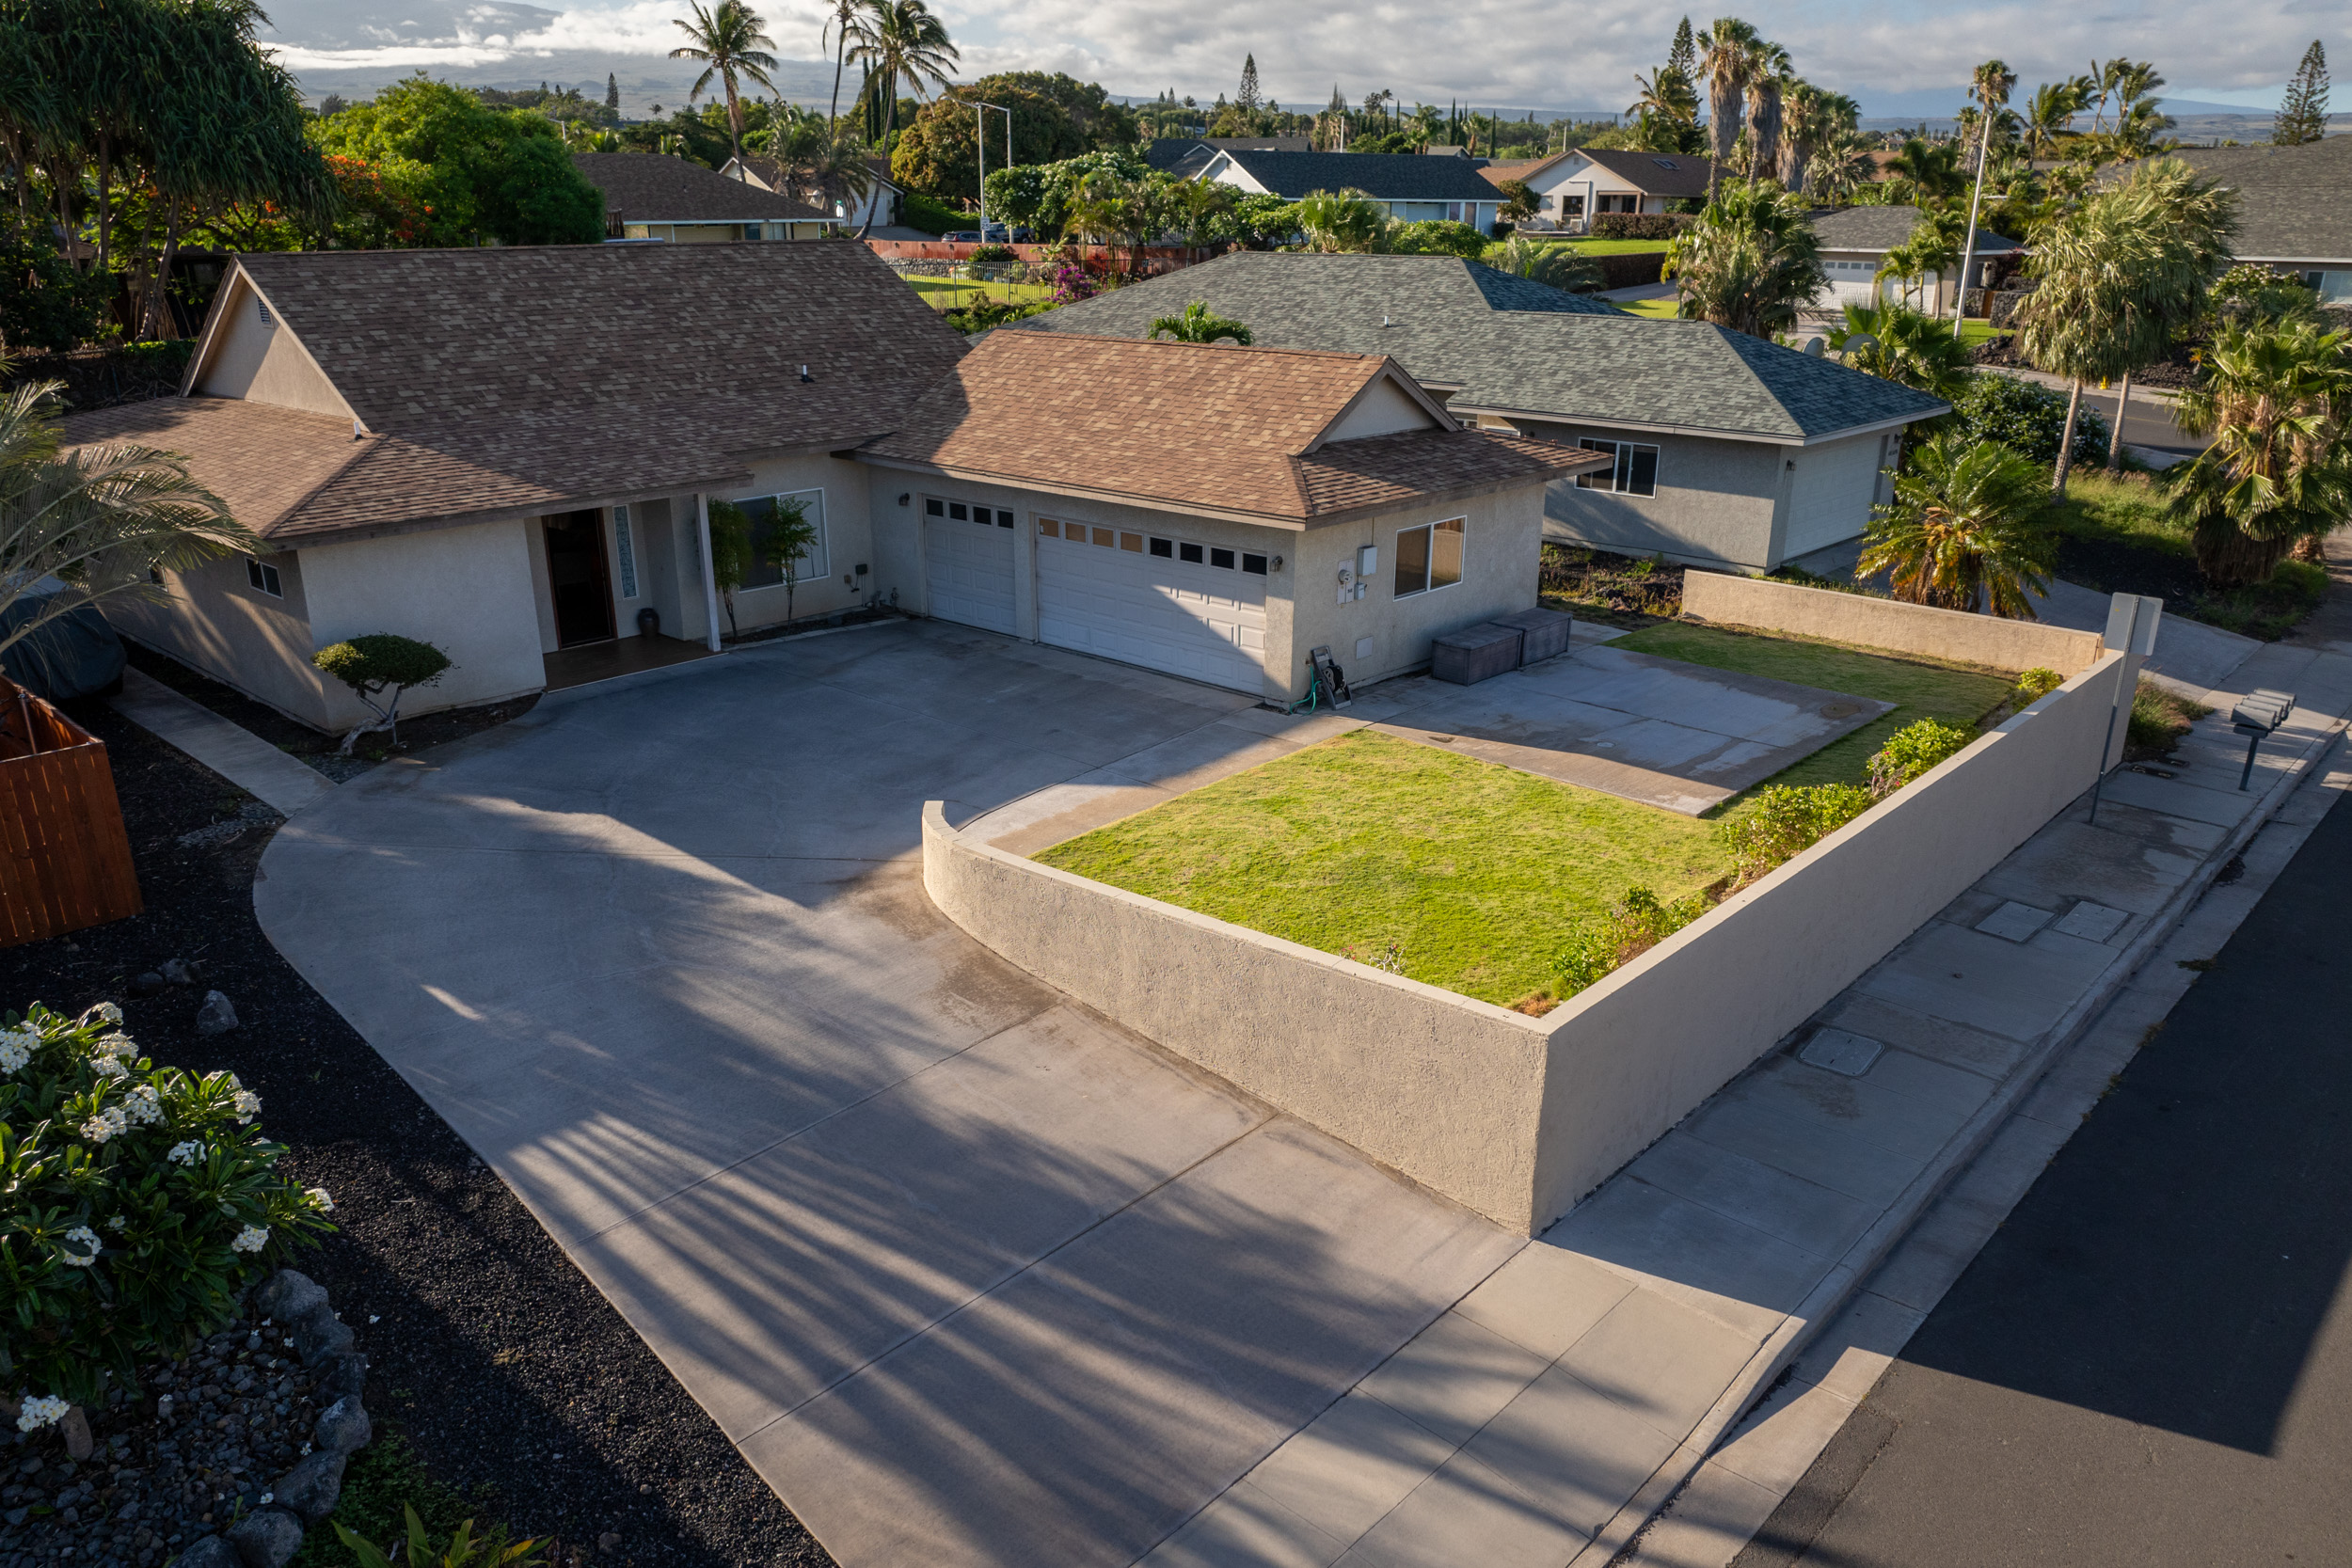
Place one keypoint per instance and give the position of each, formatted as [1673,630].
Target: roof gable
[1383,176]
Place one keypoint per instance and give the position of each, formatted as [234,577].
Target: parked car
[997,234]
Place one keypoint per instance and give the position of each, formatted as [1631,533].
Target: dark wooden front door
[575,577]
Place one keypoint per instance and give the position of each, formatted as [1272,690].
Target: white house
[1410,187]
[1574,188]
[1854,243]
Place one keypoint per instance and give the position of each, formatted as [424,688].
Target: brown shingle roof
[646,187]
[263,461]
[1231,430]
[504,381]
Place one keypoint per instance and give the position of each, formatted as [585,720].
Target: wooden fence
[65,861]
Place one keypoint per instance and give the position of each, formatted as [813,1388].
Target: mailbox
[2257,714]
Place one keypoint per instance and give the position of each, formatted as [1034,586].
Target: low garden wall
[1886,623]
[1512,1115]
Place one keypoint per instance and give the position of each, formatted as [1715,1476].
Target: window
[1164,548]
[1429,557]
[759,571]
[1131,542]
[1572,206]
[1189,552]
[1665,163]
[1107,537]
[624,553]
[1253,565]
[934,508]
[263,576]
[1636,470]
[752,231]
[958,511]
[1048,529]
[1221,558]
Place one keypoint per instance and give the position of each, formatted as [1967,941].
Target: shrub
[48,303]
[984,255]
[2035,684]
[1914,750]
[377,663]
[2159,718]
[1630,927]
[1437,237]
[2029,419]
[141,1202]
[1639,226]
[1785,820]
[463,1549]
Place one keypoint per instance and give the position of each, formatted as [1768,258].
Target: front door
[576,578]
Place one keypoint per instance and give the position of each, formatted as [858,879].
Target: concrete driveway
[968,1275]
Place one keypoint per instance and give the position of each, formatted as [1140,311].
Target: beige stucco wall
[1716,504]
[1830,494]
[1874,623]
[214,621]
[1385,408]
[265,362]
[849,538]
[1514,1117]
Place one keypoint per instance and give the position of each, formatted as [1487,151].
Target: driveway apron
[969,1275]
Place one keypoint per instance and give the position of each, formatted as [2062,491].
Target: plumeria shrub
[140,1201]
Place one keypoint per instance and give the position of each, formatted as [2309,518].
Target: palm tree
[1667,94]
[1726,56]
[101,519]
[1991,86]
[2275,397]
[1560,265]
[732,46]
[2049,115]
[903,42]
[1346,220]
[1768,79]
[1199,325]
[1895,342]
[1932,248]
[847,20]
[1929,170]
[1841,167]
[1750,260]
[1963,531]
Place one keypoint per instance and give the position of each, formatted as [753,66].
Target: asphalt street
[2150,1363]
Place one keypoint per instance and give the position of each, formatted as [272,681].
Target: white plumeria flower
[269,1496]
[106,1124]
[38,1413]
[142,1106]
[116,1045]
[318,1197]
[106,1067]
[116,1223]
[249,1106]
[253,1238]
[83,1237]
[186,1152]
[105,1012]
[16,1049]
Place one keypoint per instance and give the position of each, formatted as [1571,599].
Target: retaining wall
[1517,1116]
[1874,623]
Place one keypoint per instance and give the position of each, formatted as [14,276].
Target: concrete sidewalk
[1550,1413]
[237,754]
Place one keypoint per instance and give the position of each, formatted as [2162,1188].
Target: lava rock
[318,1335]
[311,1487]
[288,1295]
[210,1552]
[147,982]
[344,1427]
[181,973]
[216,1017]
[344,1375]
[269,1537]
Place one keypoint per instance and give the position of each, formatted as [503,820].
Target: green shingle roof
[1510,344]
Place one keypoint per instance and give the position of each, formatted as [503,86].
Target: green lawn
[1587,248]
[1977,329]
[1477,873]
[950,294]
[2114,537]
[1918,689]
[1662,309]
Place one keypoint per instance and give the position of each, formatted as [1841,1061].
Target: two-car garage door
[1166,603]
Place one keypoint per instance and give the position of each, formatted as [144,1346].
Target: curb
[1821,1305]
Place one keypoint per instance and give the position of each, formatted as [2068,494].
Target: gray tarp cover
[77,654]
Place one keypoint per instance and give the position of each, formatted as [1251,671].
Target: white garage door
[1166,603]
[967,553]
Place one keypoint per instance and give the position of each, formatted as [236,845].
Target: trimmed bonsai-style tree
[376,664]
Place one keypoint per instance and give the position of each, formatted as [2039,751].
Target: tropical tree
[1199,324]
[2303,112]
[1667,94]
[467,172]
[1840,167]
[1111,206]
[101,519]
[1560,264]
[732,43]
[1815,119]
[1728,53]
[1931,248]
[1896,342]
[2048,116]
[902,41]
[1964,531]
[1750,260]
[1769,77]
[2276,399]
[1345,220]
[847,20]
[1991,85]
[1927,171]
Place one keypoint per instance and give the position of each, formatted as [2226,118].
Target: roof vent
[1665,163]
[804,376]
[1385,322]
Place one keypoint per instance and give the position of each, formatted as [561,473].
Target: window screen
[1412,561]
[1429,557]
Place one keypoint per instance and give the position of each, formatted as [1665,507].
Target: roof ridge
[1219,348]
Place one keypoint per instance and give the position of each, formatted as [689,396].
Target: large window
[1634,474]
[760,571]
[1429,557]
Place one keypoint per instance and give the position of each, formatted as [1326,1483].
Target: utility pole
[1993,81]
[980,116]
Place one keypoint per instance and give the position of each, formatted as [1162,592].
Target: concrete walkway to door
[969,1275]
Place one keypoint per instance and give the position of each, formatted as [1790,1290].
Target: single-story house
[1212,513]
[2295,208]
[650,195]
[1168,153]
[1728,450]
[1411,187]
[509,452]
[1575,186]
[1854,243]
[880,205]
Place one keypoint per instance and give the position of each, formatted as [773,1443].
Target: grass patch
[1477,873]
[2114,537]
[1663,310]
[1977,329]
[1918,689]
[951,293]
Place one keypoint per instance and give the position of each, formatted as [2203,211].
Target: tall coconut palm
[1726,56]
[1666,94]
[1750,260]
[1990,86]
[847,20]
[1963,531]
[904,42]
[2275,397]
[732,44]
[1929,170]
[1769,79]
[2048,114]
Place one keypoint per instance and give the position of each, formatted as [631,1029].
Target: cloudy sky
[1524,53]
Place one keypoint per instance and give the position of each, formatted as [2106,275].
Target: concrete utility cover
[1654,730]
[2014,921]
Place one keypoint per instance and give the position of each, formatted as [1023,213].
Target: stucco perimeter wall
[1443,1088]
[1637,1053]
[1903,628]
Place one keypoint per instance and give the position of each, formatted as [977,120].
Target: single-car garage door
[1166,603]
[967,553]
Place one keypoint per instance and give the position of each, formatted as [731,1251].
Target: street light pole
[980,117]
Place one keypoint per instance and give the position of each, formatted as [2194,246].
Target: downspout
[710,574]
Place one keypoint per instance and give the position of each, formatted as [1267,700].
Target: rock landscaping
[501,1385]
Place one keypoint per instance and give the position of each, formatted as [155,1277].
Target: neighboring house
[507,452]
[1854,243]
[880,206]
[1729,451]
[1412,188]
[2295,208]
[1212,513]
[1574,188]
[1168,153]
[651,197]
